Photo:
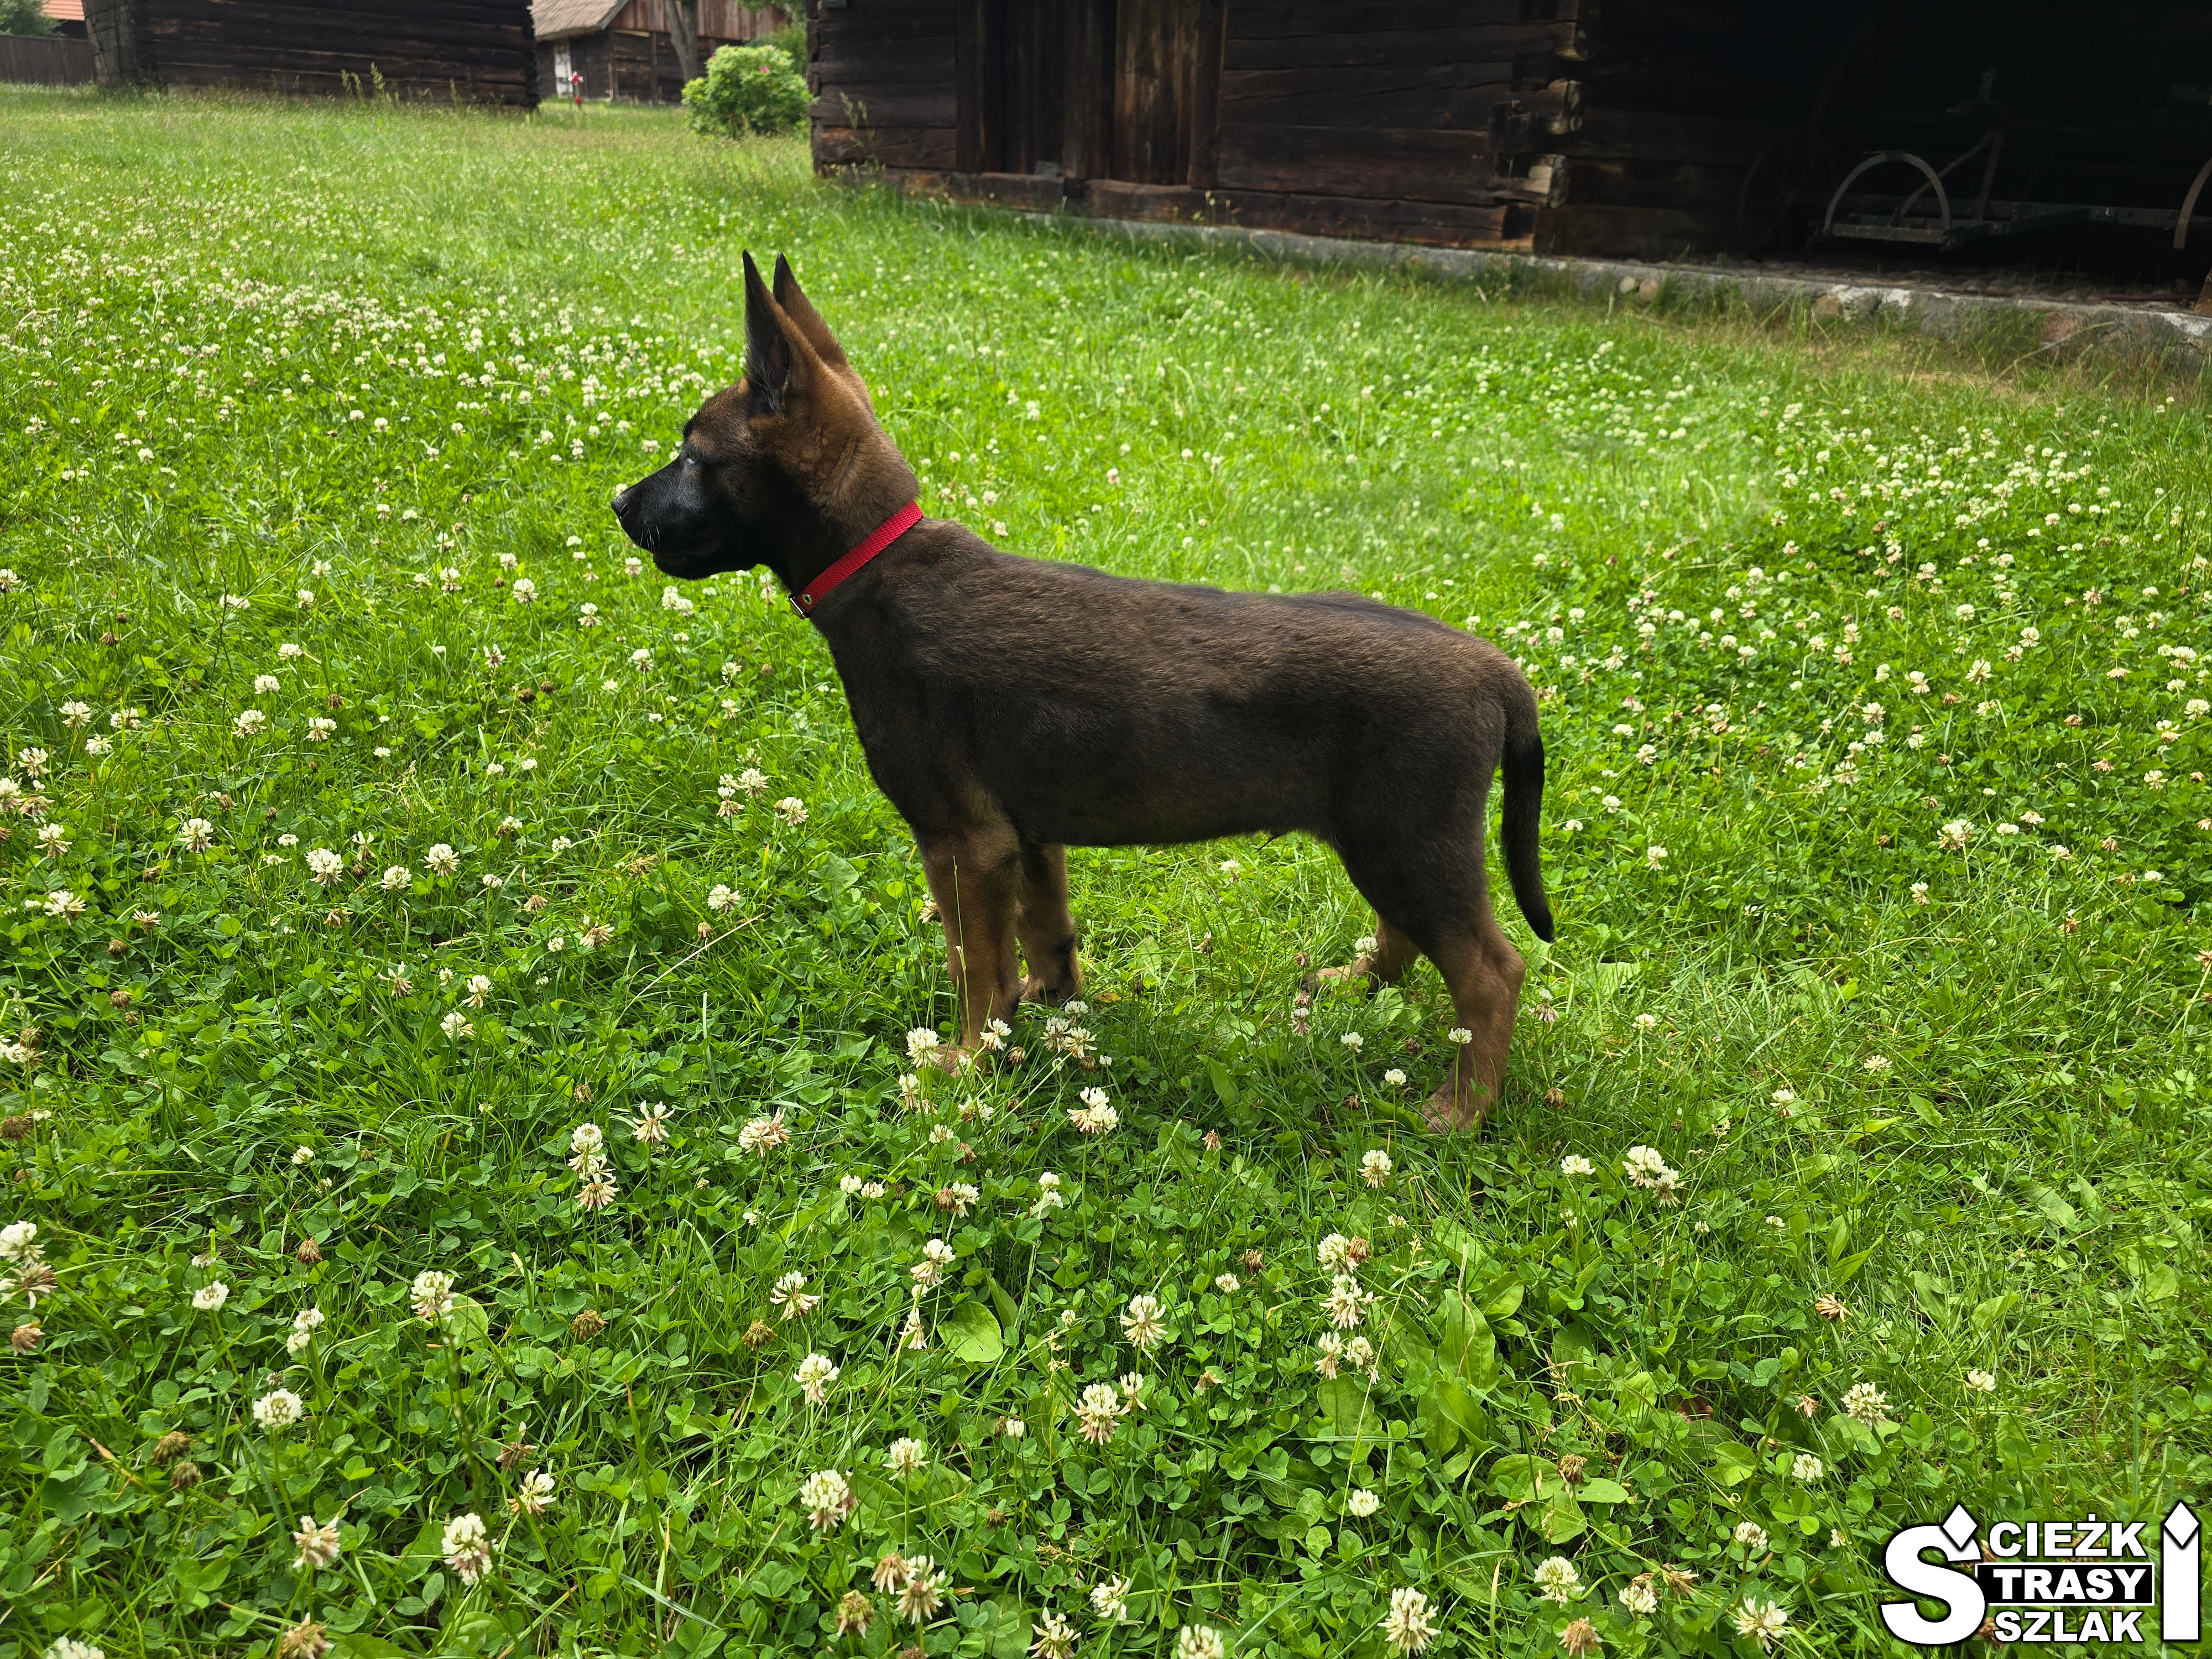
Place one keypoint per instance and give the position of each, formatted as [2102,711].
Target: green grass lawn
[390,861]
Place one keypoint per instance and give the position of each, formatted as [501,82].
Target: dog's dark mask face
[709,510]
[760,459]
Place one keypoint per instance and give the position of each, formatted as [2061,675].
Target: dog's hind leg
[1431,878]
[1046,927]
[975,876]
[1484,972]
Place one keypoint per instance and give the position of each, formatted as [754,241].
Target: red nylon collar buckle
[879,538]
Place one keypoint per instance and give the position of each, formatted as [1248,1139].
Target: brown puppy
[1013,708]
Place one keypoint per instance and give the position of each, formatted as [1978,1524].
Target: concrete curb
[2180,341]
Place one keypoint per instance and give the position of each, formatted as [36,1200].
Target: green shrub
[747,89]
[25,17]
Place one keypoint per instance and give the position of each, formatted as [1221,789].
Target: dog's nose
[622,497]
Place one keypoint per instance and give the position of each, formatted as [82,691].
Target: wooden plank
[1031,61]
[1428,223]
[1416,165]
[1362,18]
[894,57]
[976,120]
[1432,95]
[1655,135]
[1489,43]
[885,147]
[1087,89]
[886,107]
[1689,186]
[1639,233]
[1155,51]
[1205,92]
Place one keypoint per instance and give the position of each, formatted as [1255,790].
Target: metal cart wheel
[1935,180]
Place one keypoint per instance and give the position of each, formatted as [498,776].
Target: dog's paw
[1451,1111]
[1358,973]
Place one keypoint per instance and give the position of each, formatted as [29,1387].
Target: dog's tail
[1524,767]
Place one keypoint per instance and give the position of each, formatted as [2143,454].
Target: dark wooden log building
[463,51]
[1643,127]
[621,47]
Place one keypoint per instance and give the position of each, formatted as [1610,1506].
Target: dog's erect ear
[796,307]
[777,355]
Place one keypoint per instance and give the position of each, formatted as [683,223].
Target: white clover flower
[398,878]
[1346,1303]
[1142,1322]
[1638,1597]
[1866,1402]
[762,1135]
[317,1543]
[922,1044]
[1199,1641]
[1762,1622]
[467,1547]
[1558,1579]
[250,722]
[814,1375]
[534,1496]
[1374,1167]
[1981,1382]
[1098,1411]
[790,1294]
[1362,1501]
[1751,1536]
[721,900]
[431,1296]
[1109,1600]
[1410,1625]
[280,1409]
[442,860]
[907,1457]
[1808,1468]
[195,835]
[1574,1164]
[209,1299]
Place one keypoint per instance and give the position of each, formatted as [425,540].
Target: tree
[25,17]
[684,35]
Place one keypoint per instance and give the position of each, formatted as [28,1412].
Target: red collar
[879,538]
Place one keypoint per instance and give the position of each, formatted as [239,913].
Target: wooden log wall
[470,51]
[1466,123]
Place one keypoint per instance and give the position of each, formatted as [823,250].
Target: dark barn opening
[1647,128]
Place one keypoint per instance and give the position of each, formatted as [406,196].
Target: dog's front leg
[975,876]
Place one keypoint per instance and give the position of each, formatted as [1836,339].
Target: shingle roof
[552,19]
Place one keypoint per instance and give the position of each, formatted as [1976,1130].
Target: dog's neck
[866,490]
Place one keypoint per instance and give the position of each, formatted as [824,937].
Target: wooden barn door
[1010,58]
[1122,89]
[1167,79]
